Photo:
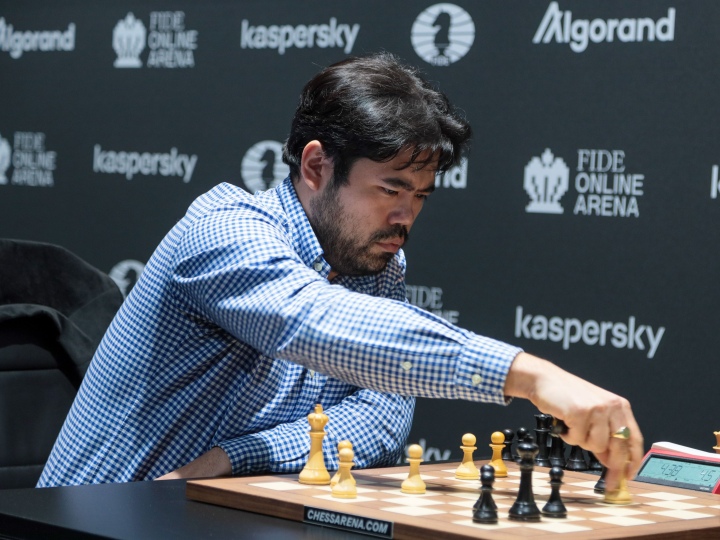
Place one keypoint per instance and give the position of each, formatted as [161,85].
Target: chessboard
[446,509]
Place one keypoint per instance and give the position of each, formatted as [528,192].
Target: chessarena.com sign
[569,331]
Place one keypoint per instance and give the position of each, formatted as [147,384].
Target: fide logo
[5,156]
[125,274]
[128,42]
[442,34]
[262,166]
[546,181]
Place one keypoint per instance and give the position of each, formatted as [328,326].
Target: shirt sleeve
[241,272]
[377,424]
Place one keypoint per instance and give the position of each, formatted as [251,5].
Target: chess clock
[671,467]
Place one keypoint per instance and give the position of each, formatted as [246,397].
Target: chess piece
[414,484]
[345,487]
[594,464]
[507,451]
[542,431]
[524,507]
[521,435]
[621,495]
[485,509]
[314,472]
[557,452]
[496,462]
[600,485]
[554,506]
[717,446]
[341,445]
[576,460]
[467,469]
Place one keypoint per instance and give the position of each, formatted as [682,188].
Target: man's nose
[402,214]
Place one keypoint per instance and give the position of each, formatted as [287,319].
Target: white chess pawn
[414,484]
[345,487]
[467,469]
[497,439]
[341,445]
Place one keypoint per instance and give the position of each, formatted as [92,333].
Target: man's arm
[377,424]
[214,462]
[591,413]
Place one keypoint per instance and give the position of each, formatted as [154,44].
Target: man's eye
[390,191]
[422,196]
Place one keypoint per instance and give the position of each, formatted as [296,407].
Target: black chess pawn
[524,508]
[576,460]
[600,485]
[507,454]
[554,506]
[542,431]
[485,509]
[557,452]
[522,434]
[594,464]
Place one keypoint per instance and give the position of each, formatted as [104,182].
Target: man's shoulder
[228,201]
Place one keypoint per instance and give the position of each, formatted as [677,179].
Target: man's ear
[316,168]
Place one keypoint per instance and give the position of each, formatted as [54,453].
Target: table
[138,510]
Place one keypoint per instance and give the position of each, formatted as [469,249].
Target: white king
[129,41]
[546,182]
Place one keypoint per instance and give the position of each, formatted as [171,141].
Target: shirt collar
[307,244]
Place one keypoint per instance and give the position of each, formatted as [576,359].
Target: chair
[54,310]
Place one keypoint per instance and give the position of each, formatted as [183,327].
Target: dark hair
[375,107]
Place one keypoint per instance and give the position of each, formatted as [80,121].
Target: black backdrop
[580,227]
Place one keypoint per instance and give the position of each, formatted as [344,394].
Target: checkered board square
[445,510]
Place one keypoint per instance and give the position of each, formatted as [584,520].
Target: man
[254,308]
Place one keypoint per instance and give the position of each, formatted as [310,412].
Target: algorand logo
[171,44]
[262,166]
[559,26]
[33,165]
[145,163]
[604,187]
[570,331]
[442,34]
[126,273]
[455,177]
[283,37]
[546,181]
[19,42]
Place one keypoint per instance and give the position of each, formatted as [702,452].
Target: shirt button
[317,266]
[312,373]
[407,366]
[476,379]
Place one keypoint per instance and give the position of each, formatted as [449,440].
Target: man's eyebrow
[407,186]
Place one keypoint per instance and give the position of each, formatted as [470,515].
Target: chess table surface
[445,510]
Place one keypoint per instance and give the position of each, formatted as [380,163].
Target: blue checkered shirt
[233,334]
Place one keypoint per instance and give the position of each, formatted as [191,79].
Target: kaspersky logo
[569,331]
[560,27]
[262,166]
[442,34]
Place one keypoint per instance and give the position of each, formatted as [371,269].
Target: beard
[343,249]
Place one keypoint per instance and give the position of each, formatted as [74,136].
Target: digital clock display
[680,472]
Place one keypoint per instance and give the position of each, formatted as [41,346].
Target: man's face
[363,223]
